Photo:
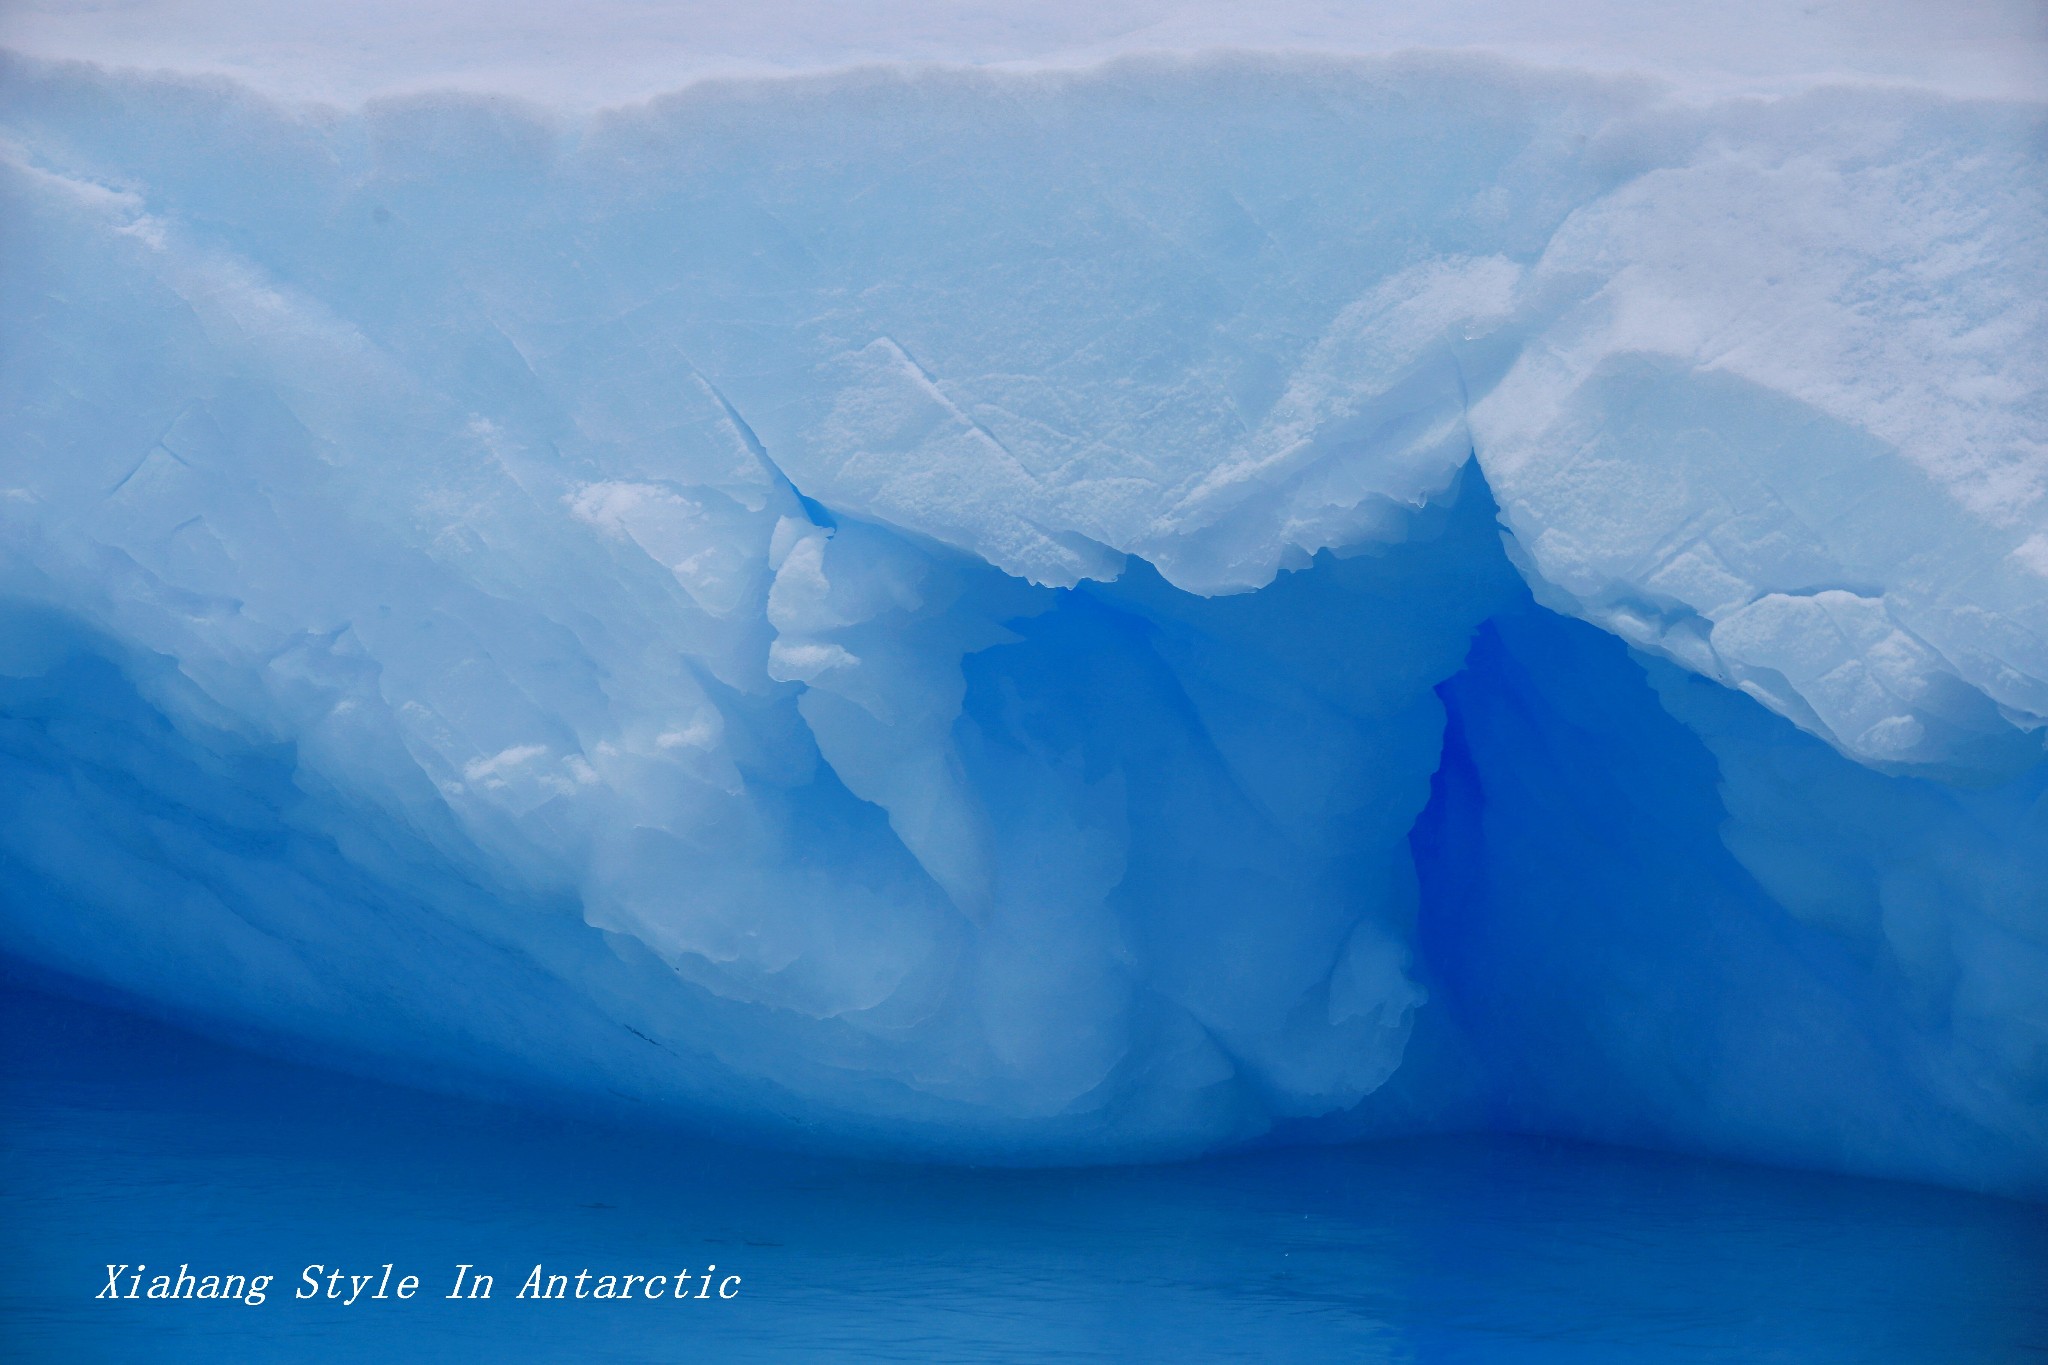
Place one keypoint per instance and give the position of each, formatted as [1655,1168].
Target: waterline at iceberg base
[155,1149]
[1216,608]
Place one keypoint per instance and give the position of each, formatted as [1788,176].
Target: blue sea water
[128,1142]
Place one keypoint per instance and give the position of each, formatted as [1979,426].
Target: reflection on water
[126,1143]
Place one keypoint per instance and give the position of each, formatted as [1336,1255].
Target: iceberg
[1057,613]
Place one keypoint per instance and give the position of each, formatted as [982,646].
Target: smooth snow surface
[921,605]
[608,51]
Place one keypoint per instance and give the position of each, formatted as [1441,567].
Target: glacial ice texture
[1051,615]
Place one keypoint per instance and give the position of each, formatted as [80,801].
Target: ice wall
[1665,917]
[920,605]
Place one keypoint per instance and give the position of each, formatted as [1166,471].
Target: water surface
[127,1142]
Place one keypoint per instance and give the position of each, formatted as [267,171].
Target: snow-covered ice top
[612,51]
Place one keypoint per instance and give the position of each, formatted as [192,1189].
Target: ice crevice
[1057,616]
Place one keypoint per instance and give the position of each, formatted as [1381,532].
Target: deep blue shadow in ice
[1617,973]
[127,1142]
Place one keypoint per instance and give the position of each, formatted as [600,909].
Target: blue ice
[1050,616]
